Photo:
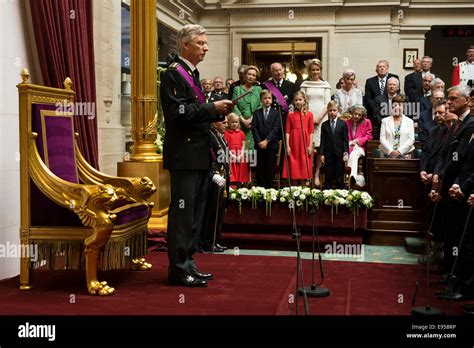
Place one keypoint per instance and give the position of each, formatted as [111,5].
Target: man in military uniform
[186,152]
[219,180]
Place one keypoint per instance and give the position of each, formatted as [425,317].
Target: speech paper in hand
[235,100]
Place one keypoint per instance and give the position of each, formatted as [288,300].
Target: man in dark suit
[186,152]
[425,90]
[284,87]
[410,78]
[382,105]
[219,179]
[415,83]
[218,91]
[453,155]
[334,148]
[434,143]
[431,153]
[427,119]
[375,86]
[206,85]
[460,191]
[266,129]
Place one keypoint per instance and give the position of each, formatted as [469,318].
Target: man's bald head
[277,71]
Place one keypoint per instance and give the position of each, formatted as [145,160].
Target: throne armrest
[139,189]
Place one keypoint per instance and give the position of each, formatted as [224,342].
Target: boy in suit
[334,147]
[266,129]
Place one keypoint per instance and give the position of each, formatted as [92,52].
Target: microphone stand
[296,232]
[313,290]
[426,309]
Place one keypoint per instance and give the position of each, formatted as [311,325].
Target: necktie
[278,84]
[265,114]
[382,86]
[196,77]
[333,125]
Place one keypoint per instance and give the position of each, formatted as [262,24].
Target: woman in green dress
[246,106]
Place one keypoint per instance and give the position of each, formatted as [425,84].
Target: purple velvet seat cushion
[129,213]
[56,141]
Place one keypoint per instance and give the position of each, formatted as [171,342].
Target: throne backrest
[39,113]
[55,141]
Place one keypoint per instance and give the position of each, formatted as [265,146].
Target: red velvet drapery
[65,43]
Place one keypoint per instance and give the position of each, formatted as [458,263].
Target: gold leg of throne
[92,247]
[140,265]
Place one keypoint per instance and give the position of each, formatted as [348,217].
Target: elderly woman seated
[360,132]
[397,133]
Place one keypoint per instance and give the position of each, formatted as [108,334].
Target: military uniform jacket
[219,158]
[187,138]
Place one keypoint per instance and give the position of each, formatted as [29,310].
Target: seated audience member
[349,95]
[382,104]
[427,121]
[360,132]
[397,133]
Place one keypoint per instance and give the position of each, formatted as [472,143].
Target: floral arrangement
[160,136]
[300,197]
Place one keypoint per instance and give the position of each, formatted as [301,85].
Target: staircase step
[268,241]
[415,245]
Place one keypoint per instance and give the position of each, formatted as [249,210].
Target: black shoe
[221,246]
[202,276]
[188,281]
[208,250]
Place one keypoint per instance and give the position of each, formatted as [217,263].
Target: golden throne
[73,215]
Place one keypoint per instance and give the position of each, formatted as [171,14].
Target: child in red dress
[236,140]
[299,139]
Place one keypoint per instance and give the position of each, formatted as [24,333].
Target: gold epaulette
[173,65]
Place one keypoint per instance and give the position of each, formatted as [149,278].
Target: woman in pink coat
[360,132]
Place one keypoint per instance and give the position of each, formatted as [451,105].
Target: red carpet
[244,285]
[359,288]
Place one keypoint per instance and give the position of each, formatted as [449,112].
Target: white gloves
[218,180]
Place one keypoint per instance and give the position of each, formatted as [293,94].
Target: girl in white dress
[318,94]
